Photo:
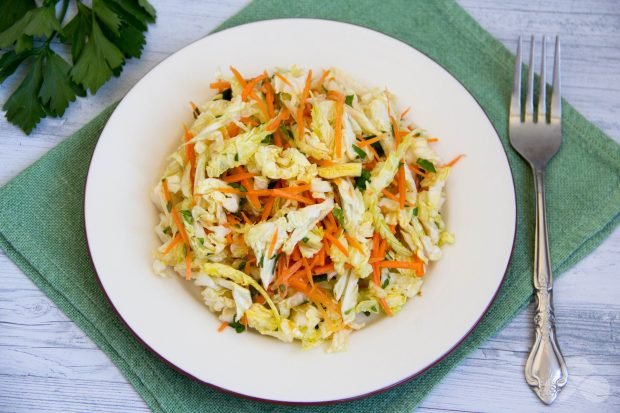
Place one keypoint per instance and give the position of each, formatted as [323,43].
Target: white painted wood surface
[48,364]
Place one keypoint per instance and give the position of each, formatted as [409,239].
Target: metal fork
[537,139]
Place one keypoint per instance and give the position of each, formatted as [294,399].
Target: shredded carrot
[296,255]
[173,243]
[295,197]
[223,326]
[269,95]
[323,269]
[455,160]
[177,221]
[229,239]
[238,76]
[296,189]
[228,190]
[322,255]
[188,266]
[390,195]
[250,85]
[325,162]
[261,103]
[232,129]
[418,266]
[259,299]
[190,153]
[245,218]
[315,293]
[246,268]
[386,307]
[432,140]
[277,138]
[370,141]
[322,79]
[396,130]
[308,270]
[220,85]
[402,189]
[252,199]
[337,243]
[285,80]
[238,177]
[302,105]
[402,115]
[272,245]
[374,152]
[338,126]
[354,243]
[273,125]
[164,185]
[382,248]
[267,209]
[232,220]
[417,171]
[292,269]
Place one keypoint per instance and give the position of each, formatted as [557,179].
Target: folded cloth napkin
[41,211]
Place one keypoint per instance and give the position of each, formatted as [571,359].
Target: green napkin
[41,212]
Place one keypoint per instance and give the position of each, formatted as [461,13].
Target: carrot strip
[390,195]
[418,266]
[261,103]
[295,197]
[232,129]
[177,221]
[220,85]
[325,162]
[296,189]
[402,115]
[250,85]
[396,130]
[273,125]
[228,190]
[285,80]
[190,153]
[272,245]
[386,307]
[253,199]
[232,220]
[323,269]
[432,140]
[277,138]
[374,152]
[302,105]
[315,293]
[308,270]
[238,76]
[188,267]
[238,177]
[382,248]
[376,274]
[337,243]
[245,218]
[417,171]
[338,125]
[292,269]
[402,190]
[322,79]
[269,95]
[296,255]
[455,160]
[164,185]
[322,255]
[246,268]
[370,141]
[267,209]
[173,243]
[222,326]
[354,243]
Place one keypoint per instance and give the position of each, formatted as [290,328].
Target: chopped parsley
[305,239]
[239,328]
[238,186]
[236,157]
[187,216]
[386,282]
[169,206]
[426,165]
[268,139]
[359,151]
[339,215]
[349,100]
[360,181]
[167,231]
[415,211]
[201,240]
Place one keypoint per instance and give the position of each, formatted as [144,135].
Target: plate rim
[285,402]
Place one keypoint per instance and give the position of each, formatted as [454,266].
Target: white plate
[169,317]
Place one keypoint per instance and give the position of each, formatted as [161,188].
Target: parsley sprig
[101,38]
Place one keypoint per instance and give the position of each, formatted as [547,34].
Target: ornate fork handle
[545,369]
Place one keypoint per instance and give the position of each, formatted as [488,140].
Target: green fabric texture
[41,211]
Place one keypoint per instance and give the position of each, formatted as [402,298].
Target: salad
[302,204]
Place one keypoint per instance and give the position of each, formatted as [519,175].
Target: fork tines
[556,106]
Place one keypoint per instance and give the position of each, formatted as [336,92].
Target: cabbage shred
[302,204]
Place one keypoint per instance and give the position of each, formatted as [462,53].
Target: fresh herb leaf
[349,310]
[305,239]
[339,215]
[239,328]
[101,36]
[386,282]
[376,145]
[187,216]
[374,309]
[349,100]
[360,181]
[238,186]
[201,241]
[286,131]
[227,94]
[169,206]
[359,151]
[268,139]
[236,157]
[260,262]
[415,211]
[426,165]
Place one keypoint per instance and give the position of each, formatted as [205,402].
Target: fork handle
[545,369]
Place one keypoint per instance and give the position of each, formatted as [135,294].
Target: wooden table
[48,364]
